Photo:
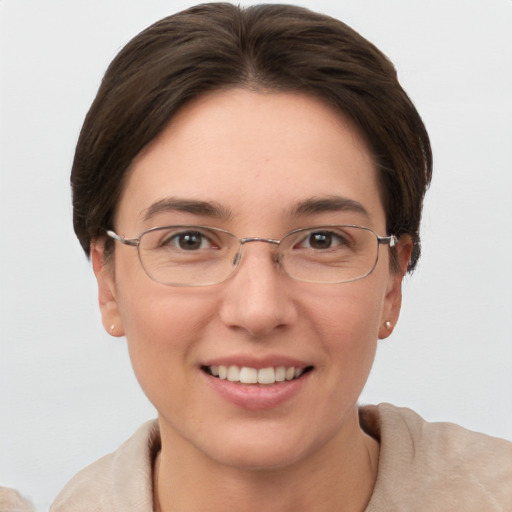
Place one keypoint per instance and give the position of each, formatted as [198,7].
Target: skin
[256,155]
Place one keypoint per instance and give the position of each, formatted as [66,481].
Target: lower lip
[257,397]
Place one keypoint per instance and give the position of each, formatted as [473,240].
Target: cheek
[350,312]
[155,317]
[163,329]
[347,324]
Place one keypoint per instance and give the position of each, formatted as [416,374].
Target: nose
[257,298]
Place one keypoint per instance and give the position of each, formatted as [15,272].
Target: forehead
[254,155]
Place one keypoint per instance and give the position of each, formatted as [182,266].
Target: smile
[247,375]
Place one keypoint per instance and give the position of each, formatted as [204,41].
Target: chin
[269,448]
[259,459]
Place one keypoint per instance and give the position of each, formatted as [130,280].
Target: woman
[248,184]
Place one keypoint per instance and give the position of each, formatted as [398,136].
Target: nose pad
[276,258]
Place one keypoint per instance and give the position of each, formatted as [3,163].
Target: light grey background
[67,394]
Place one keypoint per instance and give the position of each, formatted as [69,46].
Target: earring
[388,325]
[112,327]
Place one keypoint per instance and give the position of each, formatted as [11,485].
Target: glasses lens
[329,254]
[188,255]
[199,256]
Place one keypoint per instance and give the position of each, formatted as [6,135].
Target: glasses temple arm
[125,241]
[391,240]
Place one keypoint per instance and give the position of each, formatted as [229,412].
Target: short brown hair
[271,47]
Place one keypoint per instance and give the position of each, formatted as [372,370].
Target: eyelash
[174,239]
[342,241]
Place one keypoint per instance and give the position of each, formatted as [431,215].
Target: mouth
[248,375]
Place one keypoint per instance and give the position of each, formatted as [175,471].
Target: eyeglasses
[190,255]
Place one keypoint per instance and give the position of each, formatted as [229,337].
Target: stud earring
[112,327]
[388,325]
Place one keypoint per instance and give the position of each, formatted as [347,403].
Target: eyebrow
[170,204]
[328,204]
[213,209]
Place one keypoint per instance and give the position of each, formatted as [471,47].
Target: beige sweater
[422,467]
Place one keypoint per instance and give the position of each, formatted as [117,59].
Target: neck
[338,477]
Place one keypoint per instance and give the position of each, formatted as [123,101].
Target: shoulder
[119,481]
[438,465]
[12,501]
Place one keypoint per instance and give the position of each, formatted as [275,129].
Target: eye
[321,240]
[188,241]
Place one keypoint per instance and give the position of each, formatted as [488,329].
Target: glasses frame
[390,240]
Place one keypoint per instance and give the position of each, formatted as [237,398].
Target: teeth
[233,374]
[247,375]
[266,376]
[280,374]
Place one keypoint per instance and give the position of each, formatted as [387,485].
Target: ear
[393,299]
[104,272]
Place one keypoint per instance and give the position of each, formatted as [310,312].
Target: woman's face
[246,162]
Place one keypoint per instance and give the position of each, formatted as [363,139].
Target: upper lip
[256,362]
